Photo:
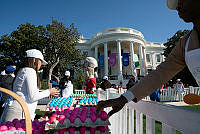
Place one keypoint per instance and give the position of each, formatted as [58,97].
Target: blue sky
[151,17]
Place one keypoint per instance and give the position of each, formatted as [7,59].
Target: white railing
[171,117]
[168,94]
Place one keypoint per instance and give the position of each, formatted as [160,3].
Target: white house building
[122,52]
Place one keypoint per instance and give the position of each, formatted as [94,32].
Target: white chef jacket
[25,85]
[68,90]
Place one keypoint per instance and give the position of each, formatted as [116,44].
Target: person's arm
[173,64]
[31,86]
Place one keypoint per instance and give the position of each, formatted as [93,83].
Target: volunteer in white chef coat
[185,53]
[26,85]
[67,85]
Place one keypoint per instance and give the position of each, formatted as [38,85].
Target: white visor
[34,53]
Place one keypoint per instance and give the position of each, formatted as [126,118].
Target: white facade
[118,41]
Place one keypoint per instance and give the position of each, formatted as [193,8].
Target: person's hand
[116,104]
[54,92]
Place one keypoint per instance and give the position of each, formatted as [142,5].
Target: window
[158,58]
[148,57]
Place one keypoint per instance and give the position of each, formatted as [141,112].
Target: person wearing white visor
[66,85]
[26,85]
[185,53]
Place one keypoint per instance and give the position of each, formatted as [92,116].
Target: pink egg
[93,117]
[62,131]
[52,119]
[92,130]
[15,120]
[4,123]
[62,108]
[71,130]
[37,132]
[83,118]
[3,128]
[54,115]
[83,130]
[103,115]
[57,112]
[61,118]
[50,108]
[36,121]
[72,119]
[56,108]
[19,125]
[93,109]
[12,128]
[44,122]
[102,128]
[22,121]
[20,129]
[71,108]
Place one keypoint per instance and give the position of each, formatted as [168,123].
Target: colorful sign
[125,59]
[112,59]
[101,61]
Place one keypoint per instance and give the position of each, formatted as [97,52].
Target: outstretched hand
[116,104]
[54,92]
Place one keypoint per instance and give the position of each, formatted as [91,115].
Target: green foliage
[13,46]
[54,40]
[44,84]
[61,44]
[185,75]
[171,42]
[80,81]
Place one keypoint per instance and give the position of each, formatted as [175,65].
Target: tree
[185,75]
[60,50]
[13,46]
[55,41]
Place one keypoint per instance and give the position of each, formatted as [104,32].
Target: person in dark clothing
[155,96]
[105,84]
[131,82]
[66,85]
[6,82]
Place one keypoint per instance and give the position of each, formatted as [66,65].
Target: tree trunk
[51,70]
[57,78]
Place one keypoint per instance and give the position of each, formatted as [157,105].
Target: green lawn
[195,107]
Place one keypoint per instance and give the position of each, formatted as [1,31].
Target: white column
[132,59]
[141,61]
[106,59]
[96,53]
[120,77]
[153,60]
[145,62]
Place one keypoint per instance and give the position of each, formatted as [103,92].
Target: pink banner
[112,59]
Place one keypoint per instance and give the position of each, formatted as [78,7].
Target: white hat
[178,80]
[105,78]
[92,62]
[67,73]
[34,53]
[172,4]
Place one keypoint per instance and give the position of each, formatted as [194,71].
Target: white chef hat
[172,4]
[92,62]
[67,73]
[34,53]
